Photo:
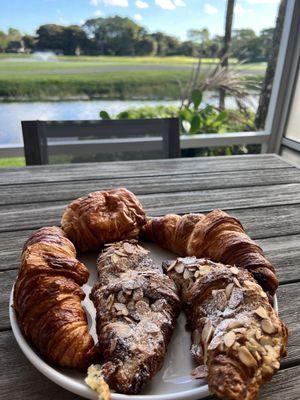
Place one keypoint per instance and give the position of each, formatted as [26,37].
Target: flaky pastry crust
[47,299]
[217,236]
[103,217]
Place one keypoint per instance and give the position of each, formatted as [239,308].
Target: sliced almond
[236,298]
[204,269]
[267,369]
[254,345]
[234,324]
[151,327]
[119,253]
[207,332]
[121,298]
[267,326]
[119,306]
[276,364]
[265,340]
[172,265]
[261,312]
[142,250]
[114,258]
[128,320]
[228,290]
[110,301]
[268,360]
[197,274]
[138,294]
[236,282]
[258,334]
[179,268]
[187,274]
[129,248]
[229,339]
[234,270]
[250,284]
[246,357]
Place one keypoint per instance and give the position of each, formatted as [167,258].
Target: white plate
[173,382]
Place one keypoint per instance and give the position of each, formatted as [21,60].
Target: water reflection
[11,114]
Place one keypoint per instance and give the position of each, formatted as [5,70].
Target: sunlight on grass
[12,162]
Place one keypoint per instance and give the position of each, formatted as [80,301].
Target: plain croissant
[217,236]
[103,217]
[47,299]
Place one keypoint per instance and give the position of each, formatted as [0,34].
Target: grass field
[21,78]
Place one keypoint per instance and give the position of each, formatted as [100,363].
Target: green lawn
[12,162]
[99,76]
[110,85]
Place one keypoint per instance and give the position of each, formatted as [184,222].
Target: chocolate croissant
[217,236]
[103,217]
[136,307]
[237,337]
[47,299]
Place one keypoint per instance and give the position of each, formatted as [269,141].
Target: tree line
[123,37]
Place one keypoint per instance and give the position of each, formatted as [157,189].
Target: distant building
[16,46]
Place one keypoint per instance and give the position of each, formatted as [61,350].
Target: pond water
[11,114]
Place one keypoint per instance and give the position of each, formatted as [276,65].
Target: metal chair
[104,136]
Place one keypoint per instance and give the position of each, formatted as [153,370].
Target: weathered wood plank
[20,217]
[72,172]
[19,380]
[284,254]
[26,193]
[288,299]
[285,383]
[7,280]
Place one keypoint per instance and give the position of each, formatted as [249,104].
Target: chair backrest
[105,135]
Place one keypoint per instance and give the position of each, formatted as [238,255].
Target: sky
[174,17]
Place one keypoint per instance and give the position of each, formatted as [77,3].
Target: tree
[50,37]
[199,35]
[245,45]
[226,44]
[266,90]
[146,46]
[188,48]
[3,41]
[202,38]
[166,45]
[29,42]
[74,39]
[114,35]
[14,34]
[60,38]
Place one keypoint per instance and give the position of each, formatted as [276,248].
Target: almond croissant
[136,307]
[103,217]
[217,236]
[237,337]
[47,299]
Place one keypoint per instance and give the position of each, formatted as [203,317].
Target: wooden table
[263,191]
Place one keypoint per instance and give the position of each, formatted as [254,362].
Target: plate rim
[68,383]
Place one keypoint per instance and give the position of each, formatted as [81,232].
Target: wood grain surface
[262,191]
